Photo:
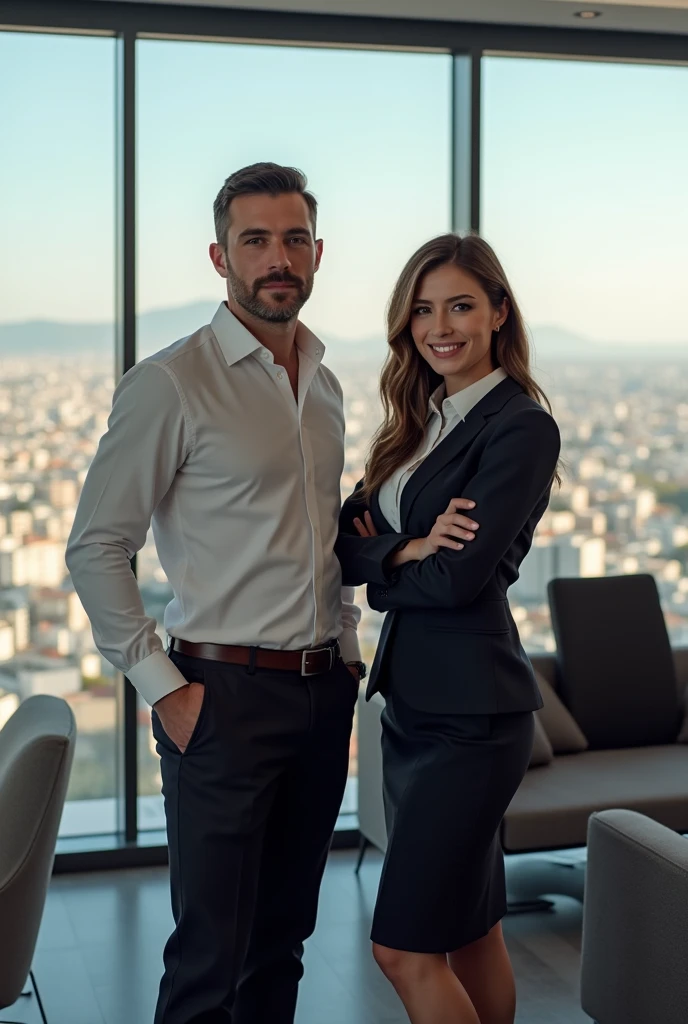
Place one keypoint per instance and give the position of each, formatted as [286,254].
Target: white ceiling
[626,15]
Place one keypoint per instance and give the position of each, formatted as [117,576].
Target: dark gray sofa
[552,806]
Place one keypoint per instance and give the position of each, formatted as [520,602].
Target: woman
[463,416]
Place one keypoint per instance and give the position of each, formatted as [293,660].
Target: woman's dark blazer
[449,612]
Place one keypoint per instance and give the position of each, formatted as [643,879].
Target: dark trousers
[250,807]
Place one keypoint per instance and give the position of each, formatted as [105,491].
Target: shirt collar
[462,402]
[237,342]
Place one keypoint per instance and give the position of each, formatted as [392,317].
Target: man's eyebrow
[254,231]
[264,232]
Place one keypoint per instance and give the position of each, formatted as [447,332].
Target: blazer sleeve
[363,558]
[515,471]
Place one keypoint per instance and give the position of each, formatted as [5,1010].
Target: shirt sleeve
[515,472]
[149,436]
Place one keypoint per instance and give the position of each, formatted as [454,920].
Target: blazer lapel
[447,450]
[457,439]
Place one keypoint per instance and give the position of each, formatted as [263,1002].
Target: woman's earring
[497,328]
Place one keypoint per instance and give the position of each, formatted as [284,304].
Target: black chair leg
[362,847]
[38,997]
[27,993]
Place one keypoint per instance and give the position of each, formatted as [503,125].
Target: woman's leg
[484,970]
[426,985]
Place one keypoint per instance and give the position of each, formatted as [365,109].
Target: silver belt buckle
[305,655]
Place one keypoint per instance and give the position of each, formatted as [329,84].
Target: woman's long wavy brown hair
[407,380]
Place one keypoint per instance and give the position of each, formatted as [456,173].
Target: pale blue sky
[584,169]
[585,193]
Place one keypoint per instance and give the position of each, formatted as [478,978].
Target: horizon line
[584,339]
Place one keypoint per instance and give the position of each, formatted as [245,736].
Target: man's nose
[279,258]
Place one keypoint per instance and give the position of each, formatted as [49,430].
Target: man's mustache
[277,279]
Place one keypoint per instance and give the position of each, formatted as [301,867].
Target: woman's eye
[461,306]
[421,309]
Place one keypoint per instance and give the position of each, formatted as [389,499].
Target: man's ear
[218,258]
[318,252]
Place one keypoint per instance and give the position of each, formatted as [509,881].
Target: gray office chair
[635,932]
[36,752]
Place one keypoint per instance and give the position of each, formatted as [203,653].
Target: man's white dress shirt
[243,488]
[443,415]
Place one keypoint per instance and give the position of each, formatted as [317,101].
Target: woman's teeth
[446,349]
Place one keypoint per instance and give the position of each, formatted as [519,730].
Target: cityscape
[622,508]
[577,257]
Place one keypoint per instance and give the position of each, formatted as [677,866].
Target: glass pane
[584,199]
[372,132]
[56,381]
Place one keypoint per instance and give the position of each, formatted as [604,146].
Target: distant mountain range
[160,327]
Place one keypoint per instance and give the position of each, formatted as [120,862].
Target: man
[232,441]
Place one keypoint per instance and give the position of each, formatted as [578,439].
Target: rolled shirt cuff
[155,677]
[349,645]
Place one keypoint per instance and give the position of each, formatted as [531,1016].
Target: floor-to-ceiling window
[372,131]
[583,195]
[57,288]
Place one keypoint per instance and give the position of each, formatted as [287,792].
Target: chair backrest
[615,665]
[635,931]
[36,752]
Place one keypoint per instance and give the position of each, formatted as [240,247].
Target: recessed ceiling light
[588,15]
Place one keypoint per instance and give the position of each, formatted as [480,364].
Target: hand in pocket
[178,713]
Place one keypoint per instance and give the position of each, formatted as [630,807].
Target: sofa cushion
[616,669]
[542,752]
[560,726]
[552,806]
[545,666]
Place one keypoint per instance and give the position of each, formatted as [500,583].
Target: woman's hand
[451,529]
[366,528]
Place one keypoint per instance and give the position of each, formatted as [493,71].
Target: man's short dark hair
[260,179]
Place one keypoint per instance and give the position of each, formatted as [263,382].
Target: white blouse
[442,418]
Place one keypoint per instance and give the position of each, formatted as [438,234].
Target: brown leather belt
[308,663]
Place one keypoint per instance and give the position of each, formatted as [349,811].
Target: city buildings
[622,508]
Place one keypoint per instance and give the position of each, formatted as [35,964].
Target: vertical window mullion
[466,142]
[125,358]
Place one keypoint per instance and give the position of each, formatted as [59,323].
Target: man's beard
[289,302]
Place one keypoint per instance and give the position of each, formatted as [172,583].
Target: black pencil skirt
[448,780]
